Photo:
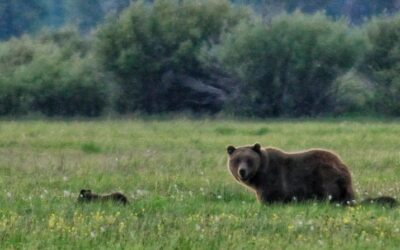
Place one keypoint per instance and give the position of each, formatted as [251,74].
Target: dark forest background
[21,16]
[260,58]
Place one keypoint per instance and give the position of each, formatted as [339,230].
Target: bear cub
[86,195]
[277,176]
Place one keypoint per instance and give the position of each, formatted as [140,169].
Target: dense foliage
[289,65]
[202,56]
[52,74]
[149,41]
[382,63]
[21,16]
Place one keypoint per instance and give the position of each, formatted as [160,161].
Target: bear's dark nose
[242,173]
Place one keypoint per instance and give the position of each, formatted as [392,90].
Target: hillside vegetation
[205,57]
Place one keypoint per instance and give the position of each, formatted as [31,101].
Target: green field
[181,194]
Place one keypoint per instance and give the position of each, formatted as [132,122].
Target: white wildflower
[67,193]
[140,192]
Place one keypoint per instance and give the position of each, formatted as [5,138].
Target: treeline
[18,17]
[355,11]
[205,57]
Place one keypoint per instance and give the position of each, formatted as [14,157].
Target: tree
[382,63]
[53,74]
[149,42]
[289,65]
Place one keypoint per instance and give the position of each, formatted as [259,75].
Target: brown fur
[277,176]
[86,195]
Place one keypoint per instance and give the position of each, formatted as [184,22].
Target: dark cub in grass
[383,200]
[86,195]
[277,176]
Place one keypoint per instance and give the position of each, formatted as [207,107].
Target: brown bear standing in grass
[277,176]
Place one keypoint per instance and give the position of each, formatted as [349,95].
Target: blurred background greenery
[257,58]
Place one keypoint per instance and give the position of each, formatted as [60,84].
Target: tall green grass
[181,194]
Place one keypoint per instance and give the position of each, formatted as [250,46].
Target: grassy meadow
[181,194]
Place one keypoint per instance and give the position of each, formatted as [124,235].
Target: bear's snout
[243,173]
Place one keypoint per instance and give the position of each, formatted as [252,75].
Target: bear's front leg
[270,196]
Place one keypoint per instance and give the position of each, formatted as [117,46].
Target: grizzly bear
[278,176]
[86,195]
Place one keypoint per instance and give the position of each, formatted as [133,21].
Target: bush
[382,63]
[42,75]
[150,40]
[354,95]
[72,87]
[15,97]
[289,64]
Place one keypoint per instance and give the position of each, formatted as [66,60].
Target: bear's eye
[249,162]
[236,161]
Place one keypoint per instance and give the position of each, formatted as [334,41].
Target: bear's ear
[230,149]
[257,147]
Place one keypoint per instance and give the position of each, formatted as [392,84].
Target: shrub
[149,40]
[354,95]
[382,63]
[15,97]
[72,87]
[289,64]
[49,76]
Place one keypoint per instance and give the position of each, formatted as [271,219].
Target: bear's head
[84,194]
[244,162]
